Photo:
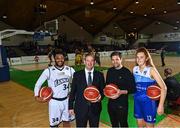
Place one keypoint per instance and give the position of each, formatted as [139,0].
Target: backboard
[51,26]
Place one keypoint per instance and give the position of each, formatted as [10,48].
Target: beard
[59,65]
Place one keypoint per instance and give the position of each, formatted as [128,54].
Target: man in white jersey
[58,77]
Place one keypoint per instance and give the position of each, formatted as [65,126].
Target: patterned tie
[89,78]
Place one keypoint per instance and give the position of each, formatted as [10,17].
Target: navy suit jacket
[77,100]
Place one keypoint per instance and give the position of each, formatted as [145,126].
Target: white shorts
[58,112]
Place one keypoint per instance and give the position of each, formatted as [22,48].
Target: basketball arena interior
[30,29]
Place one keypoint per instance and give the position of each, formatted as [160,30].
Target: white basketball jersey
[58,79]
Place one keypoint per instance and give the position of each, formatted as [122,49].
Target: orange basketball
[154,92]
[46,93]
[110,90]
[91,93]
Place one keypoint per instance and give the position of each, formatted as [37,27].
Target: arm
[128,86]
[101,87]
[154,73]
[73,92]
[72,71]
[40,81]
[130,83]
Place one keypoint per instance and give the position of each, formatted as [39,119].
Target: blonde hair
[149,62]
[89,54]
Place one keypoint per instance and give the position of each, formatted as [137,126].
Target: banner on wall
[102,38]
[15,61]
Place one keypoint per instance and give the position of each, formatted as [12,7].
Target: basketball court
[18,107]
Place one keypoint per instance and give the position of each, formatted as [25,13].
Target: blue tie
[89,78]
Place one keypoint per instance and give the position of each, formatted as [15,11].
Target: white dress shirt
[87,73]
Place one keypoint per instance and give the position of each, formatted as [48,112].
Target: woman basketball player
[145,74]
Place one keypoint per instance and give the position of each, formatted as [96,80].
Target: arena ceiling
[130,15]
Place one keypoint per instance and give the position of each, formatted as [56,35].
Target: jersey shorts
[144,107]
[58,112]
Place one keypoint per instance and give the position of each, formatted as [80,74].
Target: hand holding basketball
[45,94]
[40,99]
[97,100]
[116,95]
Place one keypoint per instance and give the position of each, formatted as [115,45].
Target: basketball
[91,93]
[46,93]
[154,92]
[110,90]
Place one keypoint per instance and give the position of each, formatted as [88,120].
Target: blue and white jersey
[143,80]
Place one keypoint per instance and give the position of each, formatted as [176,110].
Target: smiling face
[116,61]
[89,62]
[141,59]
[59,60]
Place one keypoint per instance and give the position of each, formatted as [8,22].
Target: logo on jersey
[67,68]
[61,81]
[144,72]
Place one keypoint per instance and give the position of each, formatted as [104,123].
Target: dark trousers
[118,115]
[81,121]
[162,61]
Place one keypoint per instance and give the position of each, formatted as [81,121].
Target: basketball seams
[155,87]
[40,93]
[48,96]
[156,97]
[112,86]
[94,89]
[91,98]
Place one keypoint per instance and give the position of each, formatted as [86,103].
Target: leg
[149,112]
[162,61]
[81,121]
[66,118]
[54,113]
[141,123]
[138,113]
[149,125]
[122,111]
[93,119]
[113,116]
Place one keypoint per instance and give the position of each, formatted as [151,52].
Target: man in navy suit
[85,110]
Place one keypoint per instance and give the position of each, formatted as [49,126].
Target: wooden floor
[19,109]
